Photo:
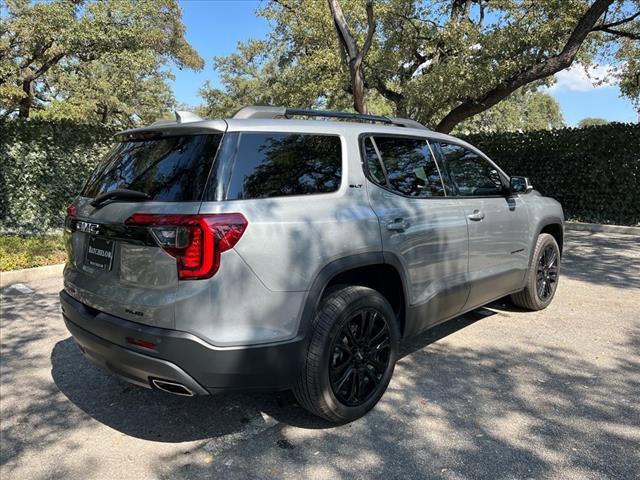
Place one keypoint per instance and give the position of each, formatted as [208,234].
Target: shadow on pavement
[601,259]
[155,415]
[502,412]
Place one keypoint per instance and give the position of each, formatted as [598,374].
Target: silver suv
[263,252]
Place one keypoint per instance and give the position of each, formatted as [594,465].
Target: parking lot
[498,393]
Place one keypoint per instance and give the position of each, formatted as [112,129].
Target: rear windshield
[262,165]
[168,169]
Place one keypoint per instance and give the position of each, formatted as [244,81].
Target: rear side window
[376,171]
[407,166]
[282,164]
[168,169]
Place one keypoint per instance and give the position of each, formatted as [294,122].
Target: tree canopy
[523,111]
[437,61]
[100,60]
[592,121]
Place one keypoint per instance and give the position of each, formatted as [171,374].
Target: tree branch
[371,29]
[541,70]
[604,26]
[620,33]
[344,34]
[283,5]
[349,47]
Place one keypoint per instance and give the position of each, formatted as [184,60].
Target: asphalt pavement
[498,394]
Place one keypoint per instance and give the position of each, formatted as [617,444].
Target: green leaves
[426,60]
[98,61]
[594,171]
[43,166]
[523,111]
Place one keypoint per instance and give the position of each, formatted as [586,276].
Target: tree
[121,88]
[591,121]
[351,54]
[96,55]
[523,111]
[438,61]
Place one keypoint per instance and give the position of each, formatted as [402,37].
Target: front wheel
[351,355]
[542,279]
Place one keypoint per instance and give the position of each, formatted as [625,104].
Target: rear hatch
[144,195]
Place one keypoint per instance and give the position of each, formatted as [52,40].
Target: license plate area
[99,253]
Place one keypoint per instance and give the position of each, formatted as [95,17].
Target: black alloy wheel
[547,273]
[360,354]
[541,280]
[352,351]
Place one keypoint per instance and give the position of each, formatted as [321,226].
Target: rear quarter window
[278,164]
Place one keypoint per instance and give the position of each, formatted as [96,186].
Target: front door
[498,223]
[420,226]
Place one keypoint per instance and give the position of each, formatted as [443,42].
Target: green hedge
[43,166]
[594,171]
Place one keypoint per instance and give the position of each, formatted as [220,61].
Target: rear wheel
[351,354]
[542,279]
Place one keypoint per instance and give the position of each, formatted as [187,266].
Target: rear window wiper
[119,195]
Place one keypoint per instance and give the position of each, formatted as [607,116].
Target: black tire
[542,279]
[340,326]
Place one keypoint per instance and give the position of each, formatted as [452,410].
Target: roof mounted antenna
[275,112]
[187,117]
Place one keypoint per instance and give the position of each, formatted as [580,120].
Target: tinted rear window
[169,169]
[278,164]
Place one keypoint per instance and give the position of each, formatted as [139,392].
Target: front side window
[282,164]
[470,174]
[409,166]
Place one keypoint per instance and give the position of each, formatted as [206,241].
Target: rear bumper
[178,356]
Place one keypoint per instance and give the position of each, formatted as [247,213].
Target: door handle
[398,225]
[476,216]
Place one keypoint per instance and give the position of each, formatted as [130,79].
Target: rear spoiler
[185,123]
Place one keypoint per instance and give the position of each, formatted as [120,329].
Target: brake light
[72,211]
[196,241]
[141,343]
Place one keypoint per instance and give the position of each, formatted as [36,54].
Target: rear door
[118,268]
[419,224]
[498,223]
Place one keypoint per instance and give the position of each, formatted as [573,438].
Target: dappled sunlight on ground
[498,393]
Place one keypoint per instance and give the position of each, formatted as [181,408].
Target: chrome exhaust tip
[172,387]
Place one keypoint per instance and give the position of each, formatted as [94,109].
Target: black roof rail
[274,112]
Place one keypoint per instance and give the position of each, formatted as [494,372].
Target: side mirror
[520,185]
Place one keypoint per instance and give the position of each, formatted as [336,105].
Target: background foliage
[439,62]
[93,61]
[43,165]
[594,172]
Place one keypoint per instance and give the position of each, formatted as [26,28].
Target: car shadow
[158,416]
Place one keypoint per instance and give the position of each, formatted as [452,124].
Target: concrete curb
[30,274]
[597,227]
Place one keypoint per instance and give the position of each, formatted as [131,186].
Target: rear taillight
[72,211]
[196,241]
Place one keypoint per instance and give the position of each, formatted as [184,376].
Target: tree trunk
[25,102]
[104,114]
[359,99]
[541,70]
[351,53]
